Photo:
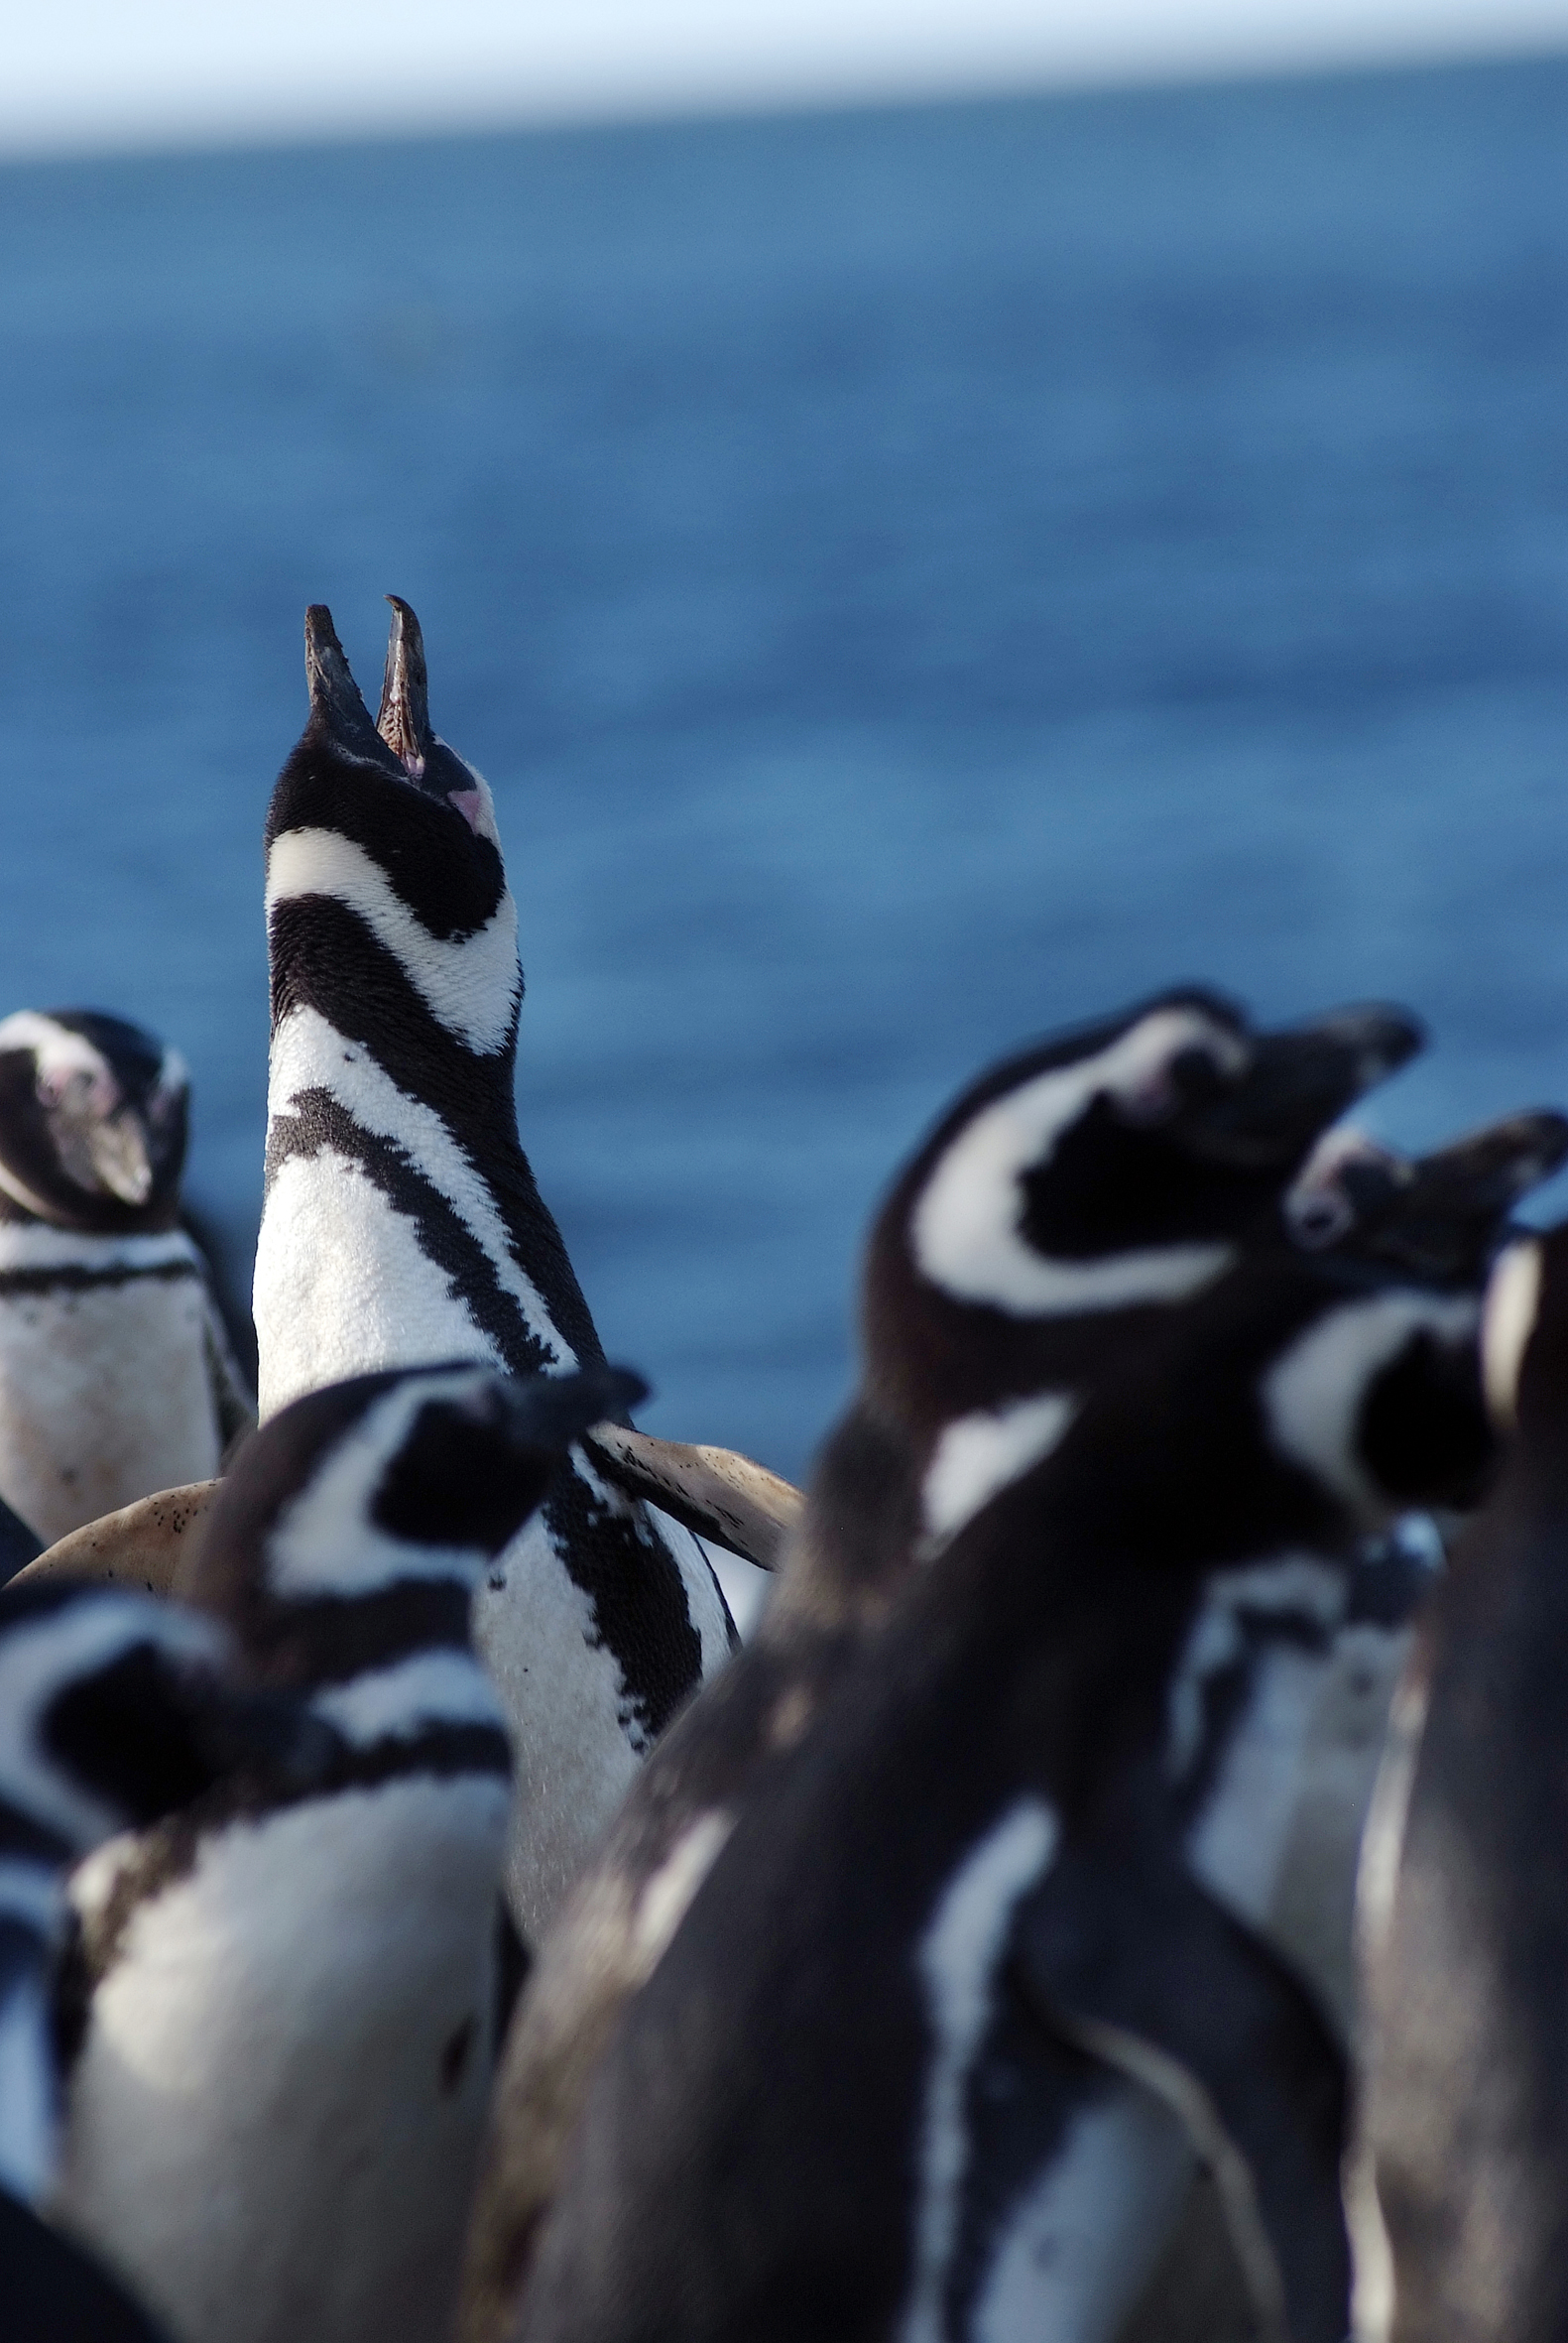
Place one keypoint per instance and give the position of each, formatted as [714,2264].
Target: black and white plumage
[291,1990]
[401,1222]
[1459,2185]
[116,1376]
[967,1991]
[1062,1208]
[114,1709]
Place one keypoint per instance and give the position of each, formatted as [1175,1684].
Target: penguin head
[1118,1165]
[94,1121]
[117,1709]
[1441,1216]
[387,822]
[389,1487]
[1384,1393]
[1414,1240]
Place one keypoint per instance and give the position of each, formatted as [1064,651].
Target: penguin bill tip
[404,717]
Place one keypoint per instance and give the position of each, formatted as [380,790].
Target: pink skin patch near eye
[467,803]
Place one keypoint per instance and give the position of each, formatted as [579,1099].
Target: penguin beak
[335,704]
[404,720]
[550,1411]
[104,1153]
[1447,1216]
[1300,1081]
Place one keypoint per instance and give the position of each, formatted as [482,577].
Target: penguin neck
[401,1222]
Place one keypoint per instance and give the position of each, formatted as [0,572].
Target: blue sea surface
[912,579]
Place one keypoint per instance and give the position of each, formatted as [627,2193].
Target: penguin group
[1118,1895]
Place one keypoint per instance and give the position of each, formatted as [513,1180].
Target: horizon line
[265,121]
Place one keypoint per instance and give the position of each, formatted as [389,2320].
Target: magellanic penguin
[292,1994]
[114,1709]
[1459,2189]
[1063,1207]
[401,1222]
[116,1375]
[845,2103]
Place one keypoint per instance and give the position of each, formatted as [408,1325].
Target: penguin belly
[275,2120]
[105,1391]
[1278,1838]
[344,1287]
[578,1735]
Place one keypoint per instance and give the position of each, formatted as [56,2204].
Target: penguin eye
[1189,1077]
[1321,1218]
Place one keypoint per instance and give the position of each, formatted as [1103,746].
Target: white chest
[105,1383]
[274,2122]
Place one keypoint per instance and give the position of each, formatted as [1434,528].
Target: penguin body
[1459,2182]
[113,1710]
[1067,1204]
[975,1872]
[402,1222]
[1280,1704]
[116,1377]
[292,1993]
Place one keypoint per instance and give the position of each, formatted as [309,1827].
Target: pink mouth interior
[467,804]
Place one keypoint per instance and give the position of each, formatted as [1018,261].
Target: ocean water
[911,578]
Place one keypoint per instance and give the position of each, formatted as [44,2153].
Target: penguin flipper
[716,1493]
[1127,1956]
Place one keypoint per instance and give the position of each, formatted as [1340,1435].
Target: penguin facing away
[927,1946]
[116,1376]
[113,1710]
[401,1222]
[291,1991]
[1459,2185]
[1065,1207]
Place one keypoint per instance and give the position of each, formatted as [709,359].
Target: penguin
[955,1997]
[289,1993]
[401,1222]
[117,1376]
[114,1709]
[1459,2185]
[1063,1207]
[1284,1694]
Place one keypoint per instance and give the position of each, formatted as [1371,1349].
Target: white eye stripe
[965,1231]
[59,1053]
[323,1541]
[1514,1299]
[1312,1397]
[41,1658]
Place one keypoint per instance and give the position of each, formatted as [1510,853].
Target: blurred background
[933,521]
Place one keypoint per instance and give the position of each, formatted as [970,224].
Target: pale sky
[86,74]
